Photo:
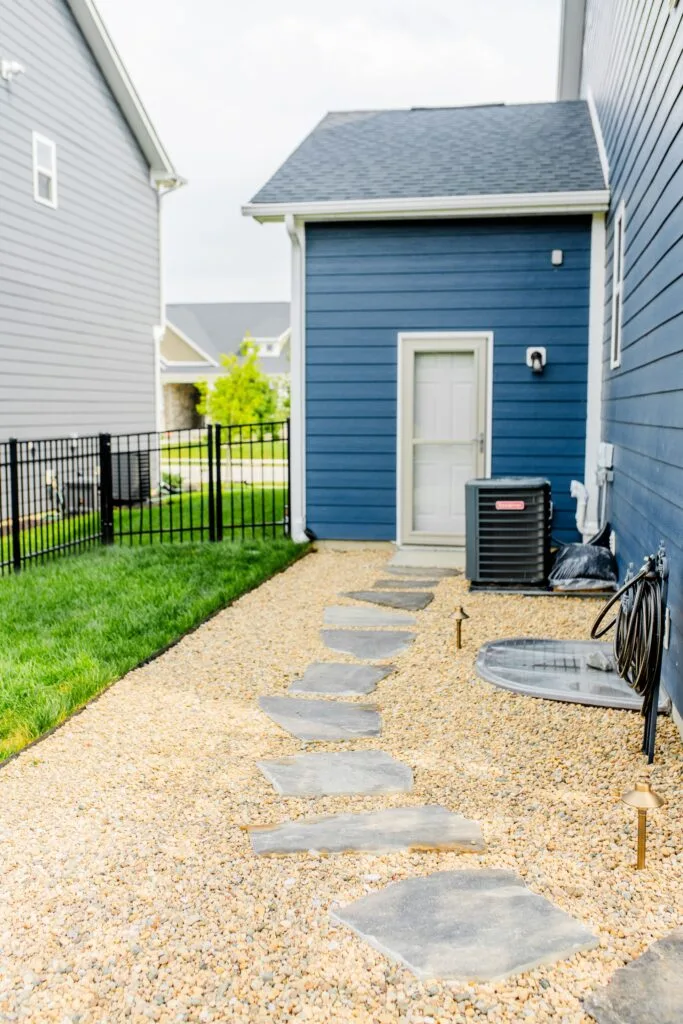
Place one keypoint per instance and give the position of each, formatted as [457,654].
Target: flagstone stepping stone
[348,615]
[421,570]
[412,601]
[403,584]
[646,991]
[366,643]
[322,719]
[400,828]
[475,925]
[339,774]
[340,680]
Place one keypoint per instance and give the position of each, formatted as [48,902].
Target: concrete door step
[428,557]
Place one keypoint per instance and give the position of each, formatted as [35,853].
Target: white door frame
[478,342]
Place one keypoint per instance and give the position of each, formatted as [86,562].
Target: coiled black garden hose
[639,633]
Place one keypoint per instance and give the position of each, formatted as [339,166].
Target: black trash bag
[590,566]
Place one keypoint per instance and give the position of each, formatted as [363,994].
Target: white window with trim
[44,171]
[617,287]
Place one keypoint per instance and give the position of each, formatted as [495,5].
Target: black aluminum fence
[211,483]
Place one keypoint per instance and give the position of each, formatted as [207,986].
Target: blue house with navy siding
[435,250]
[439,254]
[626,61]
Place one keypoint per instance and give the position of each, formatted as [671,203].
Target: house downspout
[162,189]
[596,333]
[297,443]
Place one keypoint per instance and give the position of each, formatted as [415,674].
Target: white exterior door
[442,427]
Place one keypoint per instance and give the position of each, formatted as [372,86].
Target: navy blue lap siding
[367,282]
[640,107]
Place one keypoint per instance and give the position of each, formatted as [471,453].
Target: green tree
[244,395]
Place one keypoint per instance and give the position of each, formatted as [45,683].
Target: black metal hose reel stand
[640,626]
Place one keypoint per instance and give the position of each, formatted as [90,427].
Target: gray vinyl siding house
[80,293]
[627,60]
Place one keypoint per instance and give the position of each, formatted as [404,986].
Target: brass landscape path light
[644,799]
[460,615]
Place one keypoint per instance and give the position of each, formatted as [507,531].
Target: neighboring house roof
[219,328]
[571,49]
[425,156]
[103,50]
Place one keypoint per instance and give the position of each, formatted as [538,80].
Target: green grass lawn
[70,628]
[245,507]
[257,450]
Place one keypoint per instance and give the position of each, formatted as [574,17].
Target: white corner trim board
[534,203]
[297,421]
[596,336]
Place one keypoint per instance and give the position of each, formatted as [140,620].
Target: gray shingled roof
[456,151]
[220,327]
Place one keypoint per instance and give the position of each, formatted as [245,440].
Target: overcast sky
[233,86]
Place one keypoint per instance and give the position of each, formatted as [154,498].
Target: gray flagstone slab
[367,643]
[412,601]
[349,615]
[322,719]
[649,990]
[475,925]
[340,680]
[421,570]
[338,774]
[403,584]
[399,828]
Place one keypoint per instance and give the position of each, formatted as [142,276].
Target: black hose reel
[640,625]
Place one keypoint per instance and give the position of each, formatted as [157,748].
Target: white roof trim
[571,49]
[599,138]
[113,69]
[513,204]
[192,344]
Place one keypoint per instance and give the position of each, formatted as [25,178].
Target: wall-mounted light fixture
[9,69]
[536,358]
[557,257]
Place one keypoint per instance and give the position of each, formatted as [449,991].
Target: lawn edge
[307,549]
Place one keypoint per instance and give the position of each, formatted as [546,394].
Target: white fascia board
[193,344]
[572,29]
[114,71]
[508,205]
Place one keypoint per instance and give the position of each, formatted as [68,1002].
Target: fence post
[212,507]
[14,502]
[106,491]
[219,485]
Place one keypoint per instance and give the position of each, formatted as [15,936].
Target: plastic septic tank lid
[559,670]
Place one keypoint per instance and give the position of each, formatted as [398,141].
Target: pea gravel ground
[128,891]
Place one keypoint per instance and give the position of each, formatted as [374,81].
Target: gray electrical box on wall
[508,531]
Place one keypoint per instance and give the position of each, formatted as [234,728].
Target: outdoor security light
[536,359]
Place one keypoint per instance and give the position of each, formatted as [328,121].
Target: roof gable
[106,56]
[518,150]
[219,328]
